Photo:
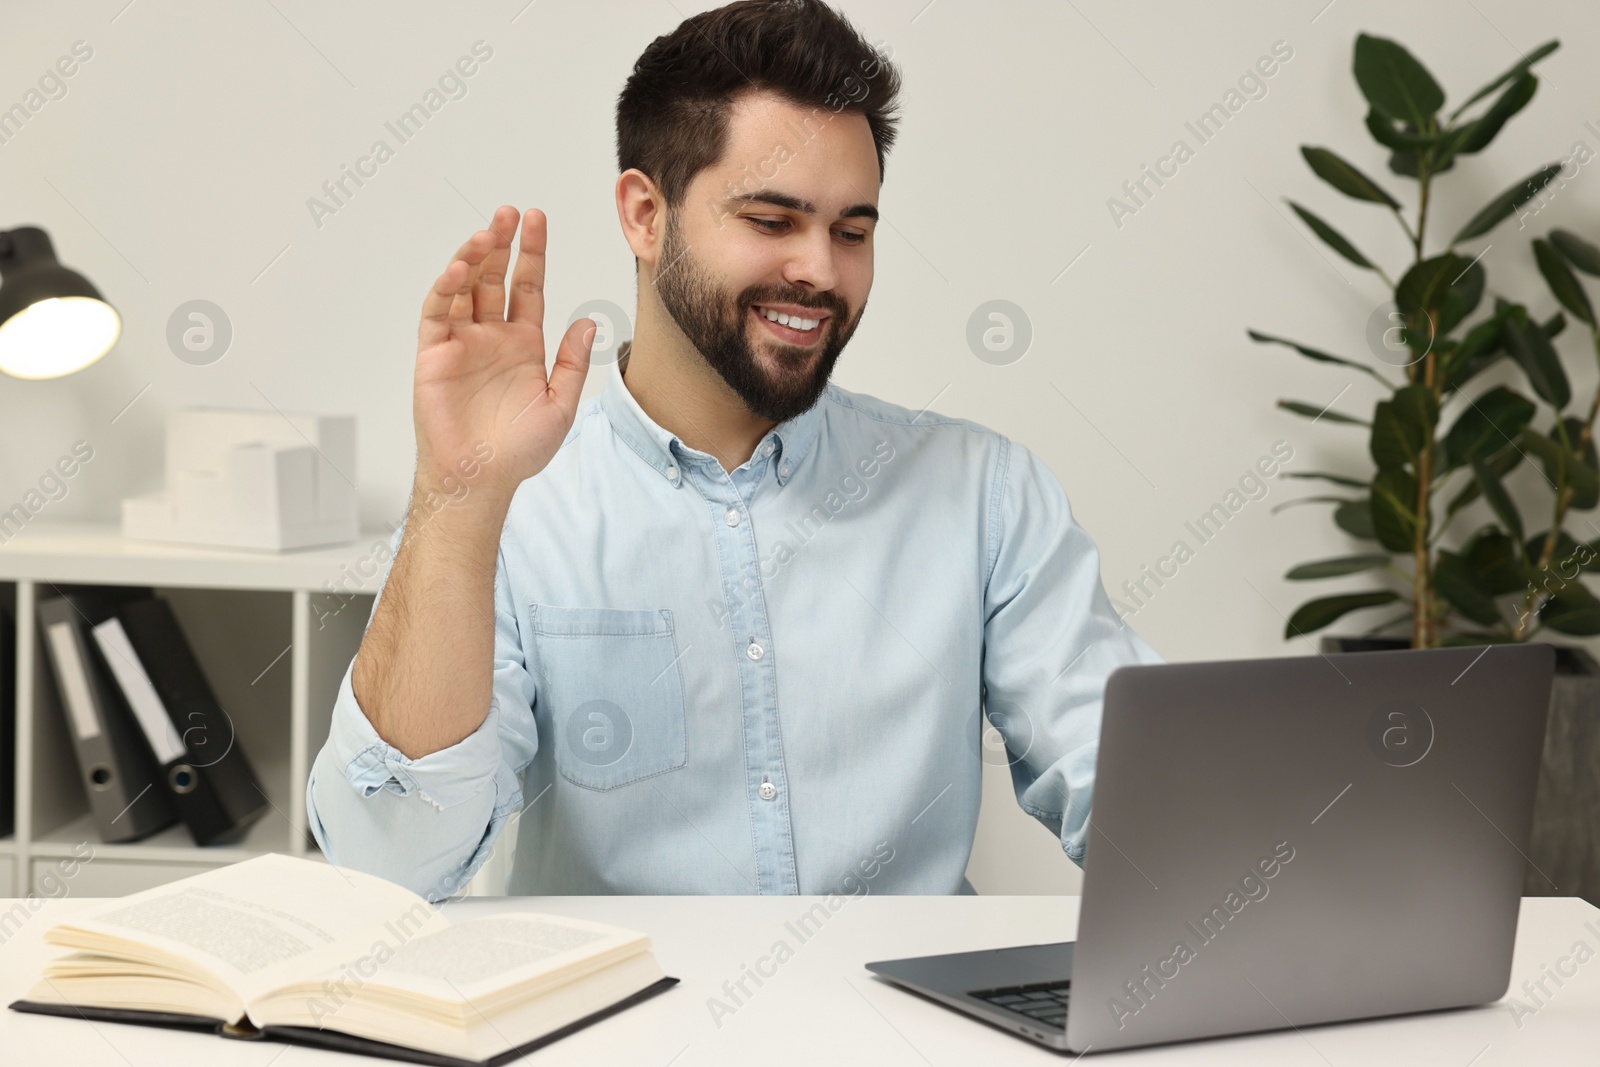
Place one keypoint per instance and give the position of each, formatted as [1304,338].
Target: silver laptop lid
[1306,839]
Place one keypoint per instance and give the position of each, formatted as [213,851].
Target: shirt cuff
[443,779]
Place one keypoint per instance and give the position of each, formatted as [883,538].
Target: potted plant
[1439,444]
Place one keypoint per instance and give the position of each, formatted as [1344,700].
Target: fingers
[449,303]
[572,365]
[527,275]
[489,294]
[435,326]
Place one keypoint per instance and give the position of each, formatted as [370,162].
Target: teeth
[792,321]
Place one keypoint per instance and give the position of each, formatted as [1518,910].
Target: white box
[252,479]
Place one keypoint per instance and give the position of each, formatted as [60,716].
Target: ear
[641,209]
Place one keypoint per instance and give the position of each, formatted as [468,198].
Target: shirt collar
[789,442]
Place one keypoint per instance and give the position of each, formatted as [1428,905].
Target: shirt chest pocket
[610,680]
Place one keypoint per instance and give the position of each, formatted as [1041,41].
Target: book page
[480,956]
[258,923]
[489,948]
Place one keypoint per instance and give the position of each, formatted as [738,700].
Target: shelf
[271,833]
[96,552]
[273,652]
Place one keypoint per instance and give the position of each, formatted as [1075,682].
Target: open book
[301,951]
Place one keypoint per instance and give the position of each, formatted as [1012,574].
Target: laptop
[1283,842]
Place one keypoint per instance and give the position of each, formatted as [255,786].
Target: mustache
[831,307]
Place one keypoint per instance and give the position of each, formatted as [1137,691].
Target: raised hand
[480,375]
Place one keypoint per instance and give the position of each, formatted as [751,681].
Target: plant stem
[1422,212]
[1424,627]
[1563,499]
[1401,219]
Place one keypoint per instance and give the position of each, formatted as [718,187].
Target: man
[729,628]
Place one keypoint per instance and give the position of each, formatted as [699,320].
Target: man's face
[727,251]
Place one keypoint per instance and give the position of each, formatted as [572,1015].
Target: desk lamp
[53,322]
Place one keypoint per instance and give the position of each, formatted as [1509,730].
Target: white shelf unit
[271,640]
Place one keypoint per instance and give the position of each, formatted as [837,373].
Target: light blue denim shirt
[760,681]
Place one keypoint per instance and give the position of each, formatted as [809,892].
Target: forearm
[424,673]
[404,837]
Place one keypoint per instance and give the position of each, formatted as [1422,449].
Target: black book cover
[214,786]
[333,1039]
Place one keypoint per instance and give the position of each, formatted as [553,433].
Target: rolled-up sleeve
[427,823]
[1051,639]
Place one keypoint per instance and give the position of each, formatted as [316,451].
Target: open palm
[480,375]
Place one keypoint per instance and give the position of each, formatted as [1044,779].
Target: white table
[822,1007]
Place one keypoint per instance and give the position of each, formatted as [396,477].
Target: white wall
[179,164]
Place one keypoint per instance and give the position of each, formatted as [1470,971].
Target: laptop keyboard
[1043,1002]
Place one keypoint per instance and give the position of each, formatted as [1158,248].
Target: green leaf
[1475,136]
[1307,500]
[1313,615]
[1316,354]
[1501,207]
[1572,614]
[1354,517]
[1311,411]
[1337,566]
[1334,239]
[1554,325]
[1346,178]
[1336,479]
[1582,499]
[1567,562]
[1476,352]
[1563,283]
[1394,82]
[1448,286]
[1500,464]
[1494,563]
[1517,71]
[1562,467]
[1402,426]
[1394,516]
[1454,582]
[1492,421]
[1408,163]
[1580,253]
[1405,138]
[1499,501]
[1528,344]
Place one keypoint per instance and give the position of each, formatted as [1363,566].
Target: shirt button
[783,471]
[766,449]
[754,651]
[732,516]
[672,474]
[767,790]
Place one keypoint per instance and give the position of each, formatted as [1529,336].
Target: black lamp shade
[53,321]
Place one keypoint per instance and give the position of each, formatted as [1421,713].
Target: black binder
[203,767]
[120,777]
[8,721]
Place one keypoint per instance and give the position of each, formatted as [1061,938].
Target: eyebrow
[795,203]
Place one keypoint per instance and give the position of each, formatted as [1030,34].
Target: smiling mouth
[792,334]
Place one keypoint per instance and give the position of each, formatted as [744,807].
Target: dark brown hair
[672,115]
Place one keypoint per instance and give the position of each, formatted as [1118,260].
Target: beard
[785,382]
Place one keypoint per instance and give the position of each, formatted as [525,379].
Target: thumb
[572,365]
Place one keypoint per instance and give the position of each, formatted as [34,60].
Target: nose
[810,262]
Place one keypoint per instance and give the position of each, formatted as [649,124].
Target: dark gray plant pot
[1566,814]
